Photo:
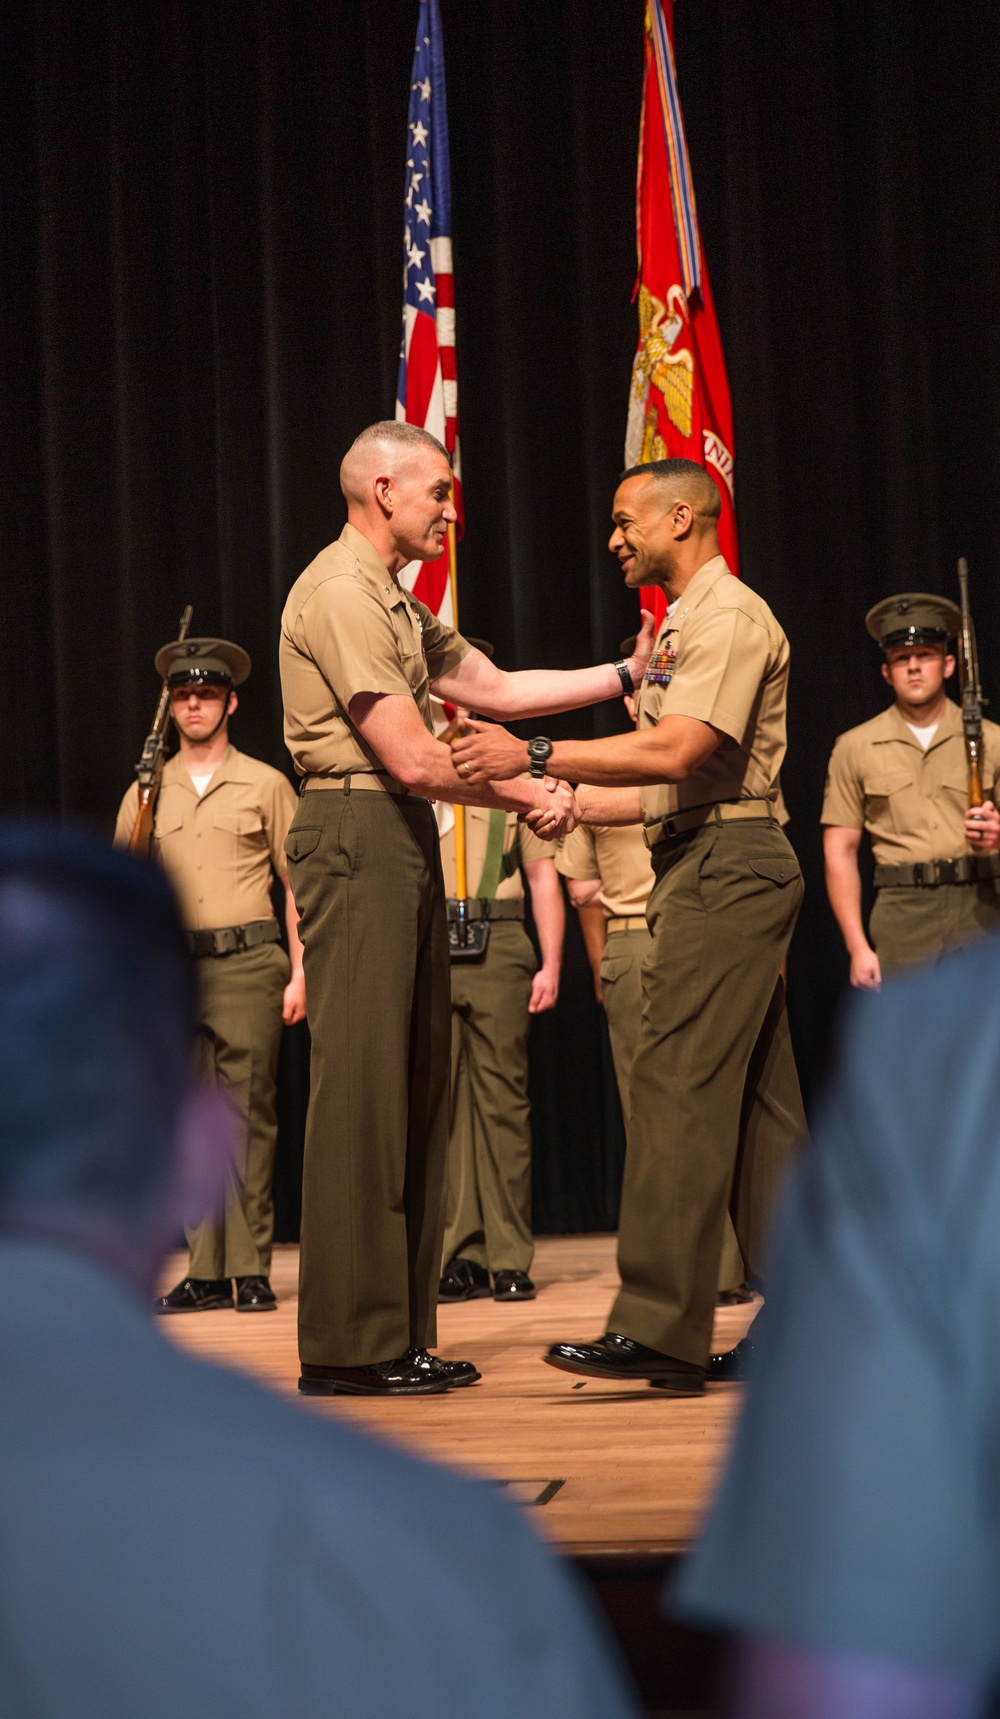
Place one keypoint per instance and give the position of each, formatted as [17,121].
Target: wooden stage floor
[636,1468]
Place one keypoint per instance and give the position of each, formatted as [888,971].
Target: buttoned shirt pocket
[955,788]
[888,804]
[239,838]
[409,640]
[168,833]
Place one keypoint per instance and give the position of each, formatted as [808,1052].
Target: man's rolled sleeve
[719,671]
[576,856]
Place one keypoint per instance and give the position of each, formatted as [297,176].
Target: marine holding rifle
[217,822]
[923,780]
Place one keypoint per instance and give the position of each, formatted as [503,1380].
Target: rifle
[972,692]
[149,769]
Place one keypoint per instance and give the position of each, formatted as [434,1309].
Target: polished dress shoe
[400,1378]
[196,1295]
[255,1295]
[740,1296]
[452,1372]
[617,1357]
[512,1286]
[462,1280]
[735,1366]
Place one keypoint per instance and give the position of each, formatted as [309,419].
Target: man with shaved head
[360,658]
[714,1097]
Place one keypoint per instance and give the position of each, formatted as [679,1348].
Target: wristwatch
[539,751]
[624,674]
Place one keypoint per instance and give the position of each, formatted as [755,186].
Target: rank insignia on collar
[660,669]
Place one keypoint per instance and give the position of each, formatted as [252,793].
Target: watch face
[539,748]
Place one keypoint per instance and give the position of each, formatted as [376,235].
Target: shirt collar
[892,725]
[708,574]
[230,770]
[369,560]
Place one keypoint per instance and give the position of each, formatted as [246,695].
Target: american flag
[427,390]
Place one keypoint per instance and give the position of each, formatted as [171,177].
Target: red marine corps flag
[679,405]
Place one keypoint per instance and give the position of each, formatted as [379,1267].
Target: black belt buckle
[946,871]
[467,938]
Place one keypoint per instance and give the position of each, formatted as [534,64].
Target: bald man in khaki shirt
[359,659]
[714,1097]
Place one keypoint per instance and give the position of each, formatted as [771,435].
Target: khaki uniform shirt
[219,848]
[726,662]
[477,827]
[617,856]
[911,802]
[348,627]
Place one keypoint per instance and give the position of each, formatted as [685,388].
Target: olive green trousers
[715,1106]
[489,1150]
[365,870]
[239,1037]
[621,988]
[910,926]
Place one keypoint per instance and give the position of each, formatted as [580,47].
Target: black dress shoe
[255,1295]
[512,1286]
[452,1372]
[463,1280]
[382,1379]
[196,1295]
[735,1365]
[737,1297]
[616,1357]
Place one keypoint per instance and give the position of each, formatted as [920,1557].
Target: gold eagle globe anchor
[659,363]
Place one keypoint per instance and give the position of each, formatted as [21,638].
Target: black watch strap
[624,674]
[539,753]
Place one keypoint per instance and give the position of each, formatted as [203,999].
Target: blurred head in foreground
[105,1143]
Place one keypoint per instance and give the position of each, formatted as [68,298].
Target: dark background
[200,253]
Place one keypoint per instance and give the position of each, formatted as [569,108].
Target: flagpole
[461,878]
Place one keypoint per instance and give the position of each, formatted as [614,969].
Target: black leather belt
[231,939]
[482,907]
[929,874]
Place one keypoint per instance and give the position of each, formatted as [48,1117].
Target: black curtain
[200,242]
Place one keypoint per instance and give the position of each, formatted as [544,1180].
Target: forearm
[594,930]
[549,911]
[843,887]
[600,806]
[292,928]
[542,692]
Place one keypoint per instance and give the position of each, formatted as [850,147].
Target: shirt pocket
[889,797]
[168,835]
[955,788]
[409,644]
[239,837]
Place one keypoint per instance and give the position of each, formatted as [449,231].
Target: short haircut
[97,1015]
[393,432]
[691,481]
